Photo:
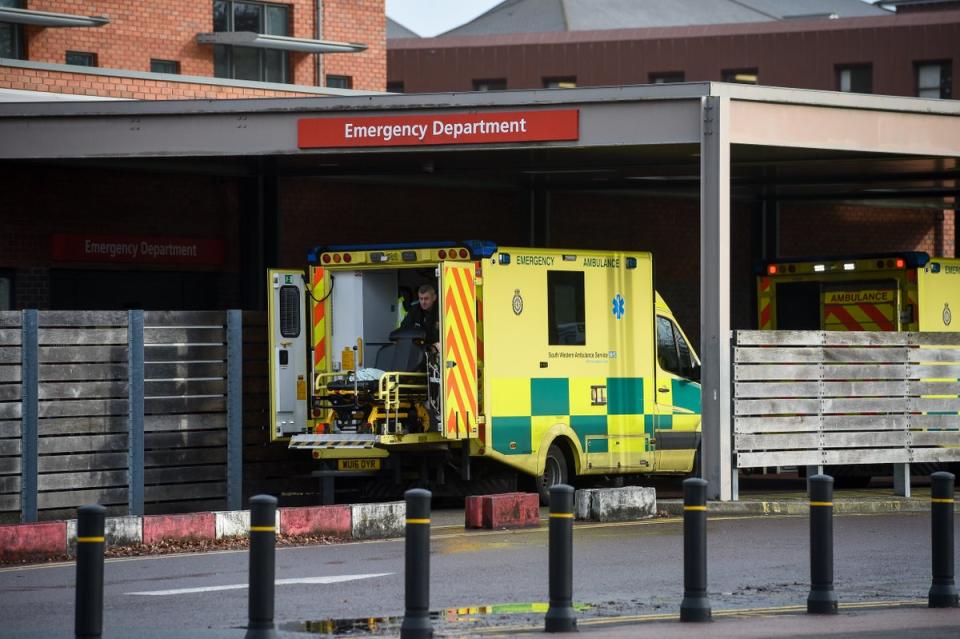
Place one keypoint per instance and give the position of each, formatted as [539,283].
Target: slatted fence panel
[83,442]
[185,404]
[267,467]
[824,397]
[10,411]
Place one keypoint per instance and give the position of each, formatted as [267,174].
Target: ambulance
[890,292]
[550,364]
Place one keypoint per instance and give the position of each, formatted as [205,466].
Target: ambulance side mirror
[693,372]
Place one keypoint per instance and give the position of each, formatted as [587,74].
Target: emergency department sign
[448,128]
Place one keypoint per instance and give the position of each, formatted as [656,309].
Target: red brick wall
[361,21]
[843,230]
[139,31]
[132,88]
[41,202]
[316,212]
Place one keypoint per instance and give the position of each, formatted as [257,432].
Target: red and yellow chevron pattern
[318,319]
[460,350]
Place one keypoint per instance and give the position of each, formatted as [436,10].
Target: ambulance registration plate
[358,464]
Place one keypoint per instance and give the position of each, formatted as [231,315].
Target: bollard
[416,618]
[263,541]
[88,620]
[822,600]
[695,605]
[561,617]
[943,592]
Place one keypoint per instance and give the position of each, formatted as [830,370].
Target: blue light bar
[477,248]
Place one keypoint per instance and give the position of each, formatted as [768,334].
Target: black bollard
[822,600]
[416,619]
[88,620]
[263,542]
[695,605]
[561,617]
[943,591]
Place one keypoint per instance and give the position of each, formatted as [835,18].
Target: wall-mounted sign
[447,128]
[118,249]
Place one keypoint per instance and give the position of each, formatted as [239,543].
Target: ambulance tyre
[554,472]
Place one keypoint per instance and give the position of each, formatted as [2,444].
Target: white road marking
[331,579]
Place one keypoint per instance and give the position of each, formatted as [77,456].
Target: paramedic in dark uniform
[424,314]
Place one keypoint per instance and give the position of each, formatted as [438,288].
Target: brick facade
[141,31]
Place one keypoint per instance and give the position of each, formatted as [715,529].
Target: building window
[11,35]
[395,87]
[566,82]
[566,308]
[340,81]
[666,77]
[498,84]
[164,66]
[247,63]
[934,80]
[855,78]
[82,58]
[740,76]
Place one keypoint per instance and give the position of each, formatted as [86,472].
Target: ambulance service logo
[947,315]
[618,306]
[517,302]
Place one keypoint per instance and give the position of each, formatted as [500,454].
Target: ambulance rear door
[458,350]
[287,332]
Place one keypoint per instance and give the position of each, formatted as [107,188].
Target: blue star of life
[618,309]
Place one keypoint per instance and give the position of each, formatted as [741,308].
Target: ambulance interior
[379,373]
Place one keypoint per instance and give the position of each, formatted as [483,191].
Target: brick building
[182,49]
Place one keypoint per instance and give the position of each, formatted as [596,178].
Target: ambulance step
[333,440]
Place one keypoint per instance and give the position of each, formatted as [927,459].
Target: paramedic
[424,314]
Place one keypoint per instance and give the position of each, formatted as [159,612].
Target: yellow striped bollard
[822,599]
[88,618]
[561,617]
[263,542]
[695,605]
[416,619]
[943,591]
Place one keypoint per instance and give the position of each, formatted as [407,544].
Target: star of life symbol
[618,309]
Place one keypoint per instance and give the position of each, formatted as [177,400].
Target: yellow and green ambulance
[559,364]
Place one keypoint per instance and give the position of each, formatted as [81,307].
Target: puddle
[391,625]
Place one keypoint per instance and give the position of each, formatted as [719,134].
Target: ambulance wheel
[554,472]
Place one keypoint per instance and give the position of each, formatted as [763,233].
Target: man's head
[427,295]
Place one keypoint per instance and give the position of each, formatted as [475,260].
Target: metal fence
[143,412]
[813,398]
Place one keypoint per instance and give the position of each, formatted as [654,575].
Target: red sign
[137,250]
[449,128]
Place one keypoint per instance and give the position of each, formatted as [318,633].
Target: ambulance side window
[565,308]
[667,346]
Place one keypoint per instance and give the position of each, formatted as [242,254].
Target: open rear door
[458,345]
[288,353]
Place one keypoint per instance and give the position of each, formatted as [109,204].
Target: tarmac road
[631,569]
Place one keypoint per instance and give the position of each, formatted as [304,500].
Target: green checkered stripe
[551,397]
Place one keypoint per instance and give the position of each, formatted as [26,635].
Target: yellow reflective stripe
[694,507]
[940,500]
[263,529]
[89,540]
[418,521]
[562,515]
[821,503]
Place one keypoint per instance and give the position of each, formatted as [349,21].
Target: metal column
[715,294]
